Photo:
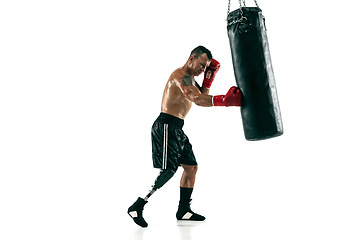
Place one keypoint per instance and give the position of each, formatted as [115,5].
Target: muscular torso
[174,102]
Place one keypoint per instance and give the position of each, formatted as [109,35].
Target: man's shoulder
[177,76]
[184,78]
[187,80]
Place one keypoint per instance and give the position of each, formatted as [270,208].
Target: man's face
[199,64]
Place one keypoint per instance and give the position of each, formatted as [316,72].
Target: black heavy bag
[254,75]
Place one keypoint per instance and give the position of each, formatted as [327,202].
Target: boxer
[171,148]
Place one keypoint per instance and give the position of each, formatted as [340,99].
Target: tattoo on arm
[187,80]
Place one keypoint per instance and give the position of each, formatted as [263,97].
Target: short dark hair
[200,50]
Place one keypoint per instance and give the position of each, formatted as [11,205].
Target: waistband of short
[170,119]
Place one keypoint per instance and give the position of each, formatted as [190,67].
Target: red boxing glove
[232,98]
[210,72]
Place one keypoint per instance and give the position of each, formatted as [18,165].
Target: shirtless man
[170,146]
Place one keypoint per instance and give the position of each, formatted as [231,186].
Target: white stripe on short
[165,145]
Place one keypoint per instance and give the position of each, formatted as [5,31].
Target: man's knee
[190,169]
[195,169]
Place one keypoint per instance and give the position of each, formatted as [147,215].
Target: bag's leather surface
[254,75]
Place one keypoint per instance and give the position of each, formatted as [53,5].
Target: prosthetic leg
[163,177]
[136,210]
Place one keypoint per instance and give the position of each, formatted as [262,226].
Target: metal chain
[229,7]
[254,1]
[241,5]
[241,13]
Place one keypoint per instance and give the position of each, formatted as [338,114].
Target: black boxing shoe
[135,212]
[185,213]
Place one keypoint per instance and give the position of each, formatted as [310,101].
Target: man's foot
[135,212]
[185,213]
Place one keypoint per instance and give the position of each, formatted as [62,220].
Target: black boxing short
[170,145]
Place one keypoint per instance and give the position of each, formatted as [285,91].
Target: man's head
[200,58]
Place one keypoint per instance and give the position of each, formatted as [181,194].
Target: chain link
[243,4]
[241,13]
[229,7]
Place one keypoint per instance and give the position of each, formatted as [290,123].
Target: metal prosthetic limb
[162,178]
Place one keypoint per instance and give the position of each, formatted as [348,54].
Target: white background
[81,84]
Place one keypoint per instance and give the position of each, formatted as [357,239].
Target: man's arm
[192,93]
[209,76]
[203,90]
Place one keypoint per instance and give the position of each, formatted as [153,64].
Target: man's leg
[188,176]
[163,177]
[187,183]
[135,211]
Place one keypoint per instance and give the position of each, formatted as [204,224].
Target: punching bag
[253,71]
